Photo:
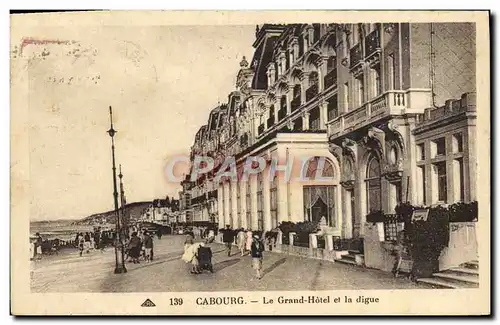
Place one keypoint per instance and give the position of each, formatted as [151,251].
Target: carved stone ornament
[348,184]
[350,147]
[345,28]
[389,28]
[394,172]
[345,62]
[336,151]
[375,139]
[393,128]
[348,143]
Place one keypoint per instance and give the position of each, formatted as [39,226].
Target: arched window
[331,63]
[313,78]
[373,185]
[314,168]
[296,91]
[274,202]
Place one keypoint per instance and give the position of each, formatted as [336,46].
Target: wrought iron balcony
[311,92]
[331,79]
[295,104]
[355,55]
[372,43]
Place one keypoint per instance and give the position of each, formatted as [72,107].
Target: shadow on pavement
[274,266]
[222,265]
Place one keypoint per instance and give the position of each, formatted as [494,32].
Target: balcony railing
[372,43]
[331,79]
[333,114]
[355,55]
[295,104]
[314,124]
[391,102]
[311,92]
[391,227]
[281,114]
[260,129]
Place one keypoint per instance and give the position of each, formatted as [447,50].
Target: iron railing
[391,227]
[372,43]
[355,55]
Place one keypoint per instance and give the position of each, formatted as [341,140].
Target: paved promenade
[168,273]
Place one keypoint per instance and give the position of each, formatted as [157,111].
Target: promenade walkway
[168,273]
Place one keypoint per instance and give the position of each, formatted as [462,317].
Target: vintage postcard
[250,163]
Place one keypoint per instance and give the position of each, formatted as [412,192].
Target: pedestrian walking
[87,244]
[190,255]
[228,238]
[134,247]
[256,252]
[97,238]
[210,236]
[81,243]
[38,246]
[249,239]
[241,240]
[148,246]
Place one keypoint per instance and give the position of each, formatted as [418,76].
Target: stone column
[282,197]
[253,188]
[243,205]
[305,121]
[303,88]
[266,195]
[226,204]
[348,213]
[323,114]
[234,207]
[289,98]
[220,206]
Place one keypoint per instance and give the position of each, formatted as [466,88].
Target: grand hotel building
[391,106]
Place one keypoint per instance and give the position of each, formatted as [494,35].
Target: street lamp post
[123,203]
[119,256]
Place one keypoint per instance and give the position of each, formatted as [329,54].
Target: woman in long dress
[249,240]
[241,239]
[189,256]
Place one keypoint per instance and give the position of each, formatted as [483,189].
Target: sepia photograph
[194,161]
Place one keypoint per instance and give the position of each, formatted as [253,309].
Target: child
[257,248]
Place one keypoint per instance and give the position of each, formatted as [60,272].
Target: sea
[61,229]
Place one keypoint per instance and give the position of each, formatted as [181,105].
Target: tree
[167,201]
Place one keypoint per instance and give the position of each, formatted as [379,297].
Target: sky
[162,82]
